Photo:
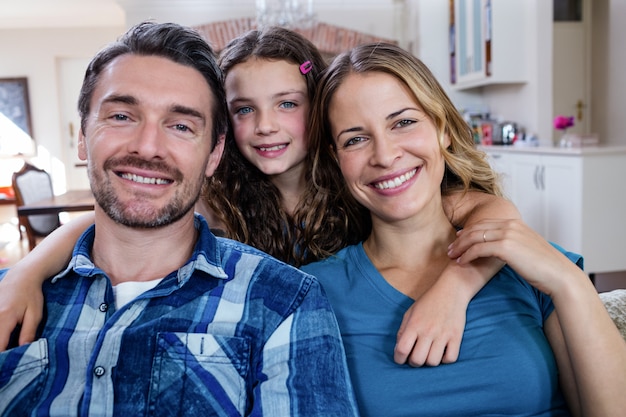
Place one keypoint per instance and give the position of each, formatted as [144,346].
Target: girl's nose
[265,123]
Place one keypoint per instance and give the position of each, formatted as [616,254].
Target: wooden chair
[32,184]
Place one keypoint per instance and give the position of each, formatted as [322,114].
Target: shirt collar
[206,256]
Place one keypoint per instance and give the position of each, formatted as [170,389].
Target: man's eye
[181,127]
[120,117]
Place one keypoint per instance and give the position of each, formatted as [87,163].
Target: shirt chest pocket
[199,374]
[23,374]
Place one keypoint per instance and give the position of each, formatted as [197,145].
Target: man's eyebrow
[120,98]
[188,111]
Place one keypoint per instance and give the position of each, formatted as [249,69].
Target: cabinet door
[527,190]
[472,19]
[562,189]
[501,163]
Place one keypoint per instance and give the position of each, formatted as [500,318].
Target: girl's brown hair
[245,200]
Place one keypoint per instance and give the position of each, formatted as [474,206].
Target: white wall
[33,53]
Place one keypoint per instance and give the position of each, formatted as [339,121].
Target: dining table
[71,200]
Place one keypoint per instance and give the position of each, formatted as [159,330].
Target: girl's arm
[590,352]
[21,298]
[432,329]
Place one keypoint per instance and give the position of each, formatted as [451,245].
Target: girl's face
[387,147]
[268,104]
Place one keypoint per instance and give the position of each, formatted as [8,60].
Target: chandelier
[287,13]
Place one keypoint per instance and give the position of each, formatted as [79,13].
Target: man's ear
[82,146]
[215,156]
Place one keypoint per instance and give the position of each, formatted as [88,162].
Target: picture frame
[14,102]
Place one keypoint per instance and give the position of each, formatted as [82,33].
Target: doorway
[572,64]
[71,72]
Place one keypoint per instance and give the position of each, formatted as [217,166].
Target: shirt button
[103,307]
[98,371]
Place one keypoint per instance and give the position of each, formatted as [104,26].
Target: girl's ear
[216,156]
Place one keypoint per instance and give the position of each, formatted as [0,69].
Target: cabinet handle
[543,177]
[536,177]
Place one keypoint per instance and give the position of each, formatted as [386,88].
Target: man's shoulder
[263,266]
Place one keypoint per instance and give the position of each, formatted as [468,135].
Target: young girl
[263,194]
[401,147]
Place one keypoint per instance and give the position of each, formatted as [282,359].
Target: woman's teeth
[396,182]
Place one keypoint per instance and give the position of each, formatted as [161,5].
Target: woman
[402,147]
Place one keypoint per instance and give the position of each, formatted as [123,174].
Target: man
[154,315]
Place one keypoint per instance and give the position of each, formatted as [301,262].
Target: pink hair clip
[306,67]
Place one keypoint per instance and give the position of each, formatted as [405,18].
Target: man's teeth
[272,148]
[144,180]
[396,182]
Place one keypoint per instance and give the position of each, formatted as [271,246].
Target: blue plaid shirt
[233,332]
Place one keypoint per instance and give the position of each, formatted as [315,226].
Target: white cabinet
[487,42]
[575,198]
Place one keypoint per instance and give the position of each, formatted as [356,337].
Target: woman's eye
[405,122]
[354,141]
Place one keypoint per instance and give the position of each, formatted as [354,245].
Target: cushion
[615,303]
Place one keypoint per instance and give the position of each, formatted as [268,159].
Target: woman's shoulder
[341,259]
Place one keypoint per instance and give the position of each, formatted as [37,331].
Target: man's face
[147,140]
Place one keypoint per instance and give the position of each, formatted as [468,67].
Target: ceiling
[57,13]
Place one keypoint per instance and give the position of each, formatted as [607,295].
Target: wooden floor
[12,249]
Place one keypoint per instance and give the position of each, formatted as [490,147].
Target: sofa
[615,303]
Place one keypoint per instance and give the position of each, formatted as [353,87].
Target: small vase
[565,142]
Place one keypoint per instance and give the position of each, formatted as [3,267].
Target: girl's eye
[288,104]
[243,110]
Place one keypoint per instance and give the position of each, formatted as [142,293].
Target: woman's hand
[523,249]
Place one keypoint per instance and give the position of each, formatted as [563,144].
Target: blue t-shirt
[505,367]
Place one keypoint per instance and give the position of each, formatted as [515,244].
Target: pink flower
[563,122]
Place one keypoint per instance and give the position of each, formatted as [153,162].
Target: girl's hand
[432,328]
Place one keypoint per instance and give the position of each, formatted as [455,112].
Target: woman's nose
[384,151]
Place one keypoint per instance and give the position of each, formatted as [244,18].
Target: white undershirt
[125,292]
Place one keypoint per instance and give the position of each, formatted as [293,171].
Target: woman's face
[268,104]
[387,147]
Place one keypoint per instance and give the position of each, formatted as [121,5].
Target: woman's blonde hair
[467,168]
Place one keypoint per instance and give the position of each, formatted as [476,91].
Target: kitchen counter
[554,150]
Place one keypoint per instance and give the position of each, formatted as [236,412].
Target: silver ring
[484,236]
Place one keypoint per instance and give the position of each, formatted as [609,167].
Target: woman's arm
[21,299]
[432,329]
[590,352]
